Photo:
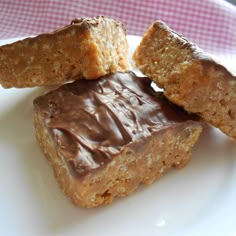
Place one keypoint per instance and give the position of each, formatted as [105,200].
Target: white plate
[199,199]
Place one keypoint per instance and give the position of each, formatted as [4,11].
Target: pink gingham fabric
[209,23]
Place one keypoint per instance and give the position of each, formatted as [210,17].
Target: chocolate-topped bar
[190,77]
[105,137]
[86,48]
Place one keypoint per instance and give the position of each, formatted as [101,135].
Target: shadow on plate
[213,143]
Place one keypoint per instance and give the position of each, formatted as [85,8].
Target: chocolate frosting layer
[93,121]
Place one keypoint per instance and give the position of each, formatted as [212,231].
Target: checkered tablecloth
[209,23]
